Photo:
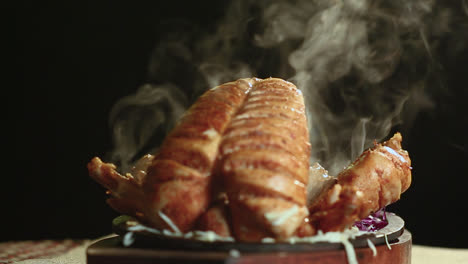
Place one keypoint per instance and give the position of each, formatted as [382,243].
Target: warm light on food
[237,165]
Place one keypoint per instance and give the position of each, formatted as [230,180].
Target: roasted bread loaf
[374,180]
[247,139]
[237,163]
[265,160]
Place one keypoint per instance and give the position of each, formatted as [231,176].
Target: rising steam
[362,65]
[139,121]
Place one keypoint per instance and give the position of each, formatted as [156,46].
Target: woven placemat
[74,252]
[15,251]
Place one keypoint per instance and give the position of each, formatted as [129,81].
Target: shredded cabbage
[373,222]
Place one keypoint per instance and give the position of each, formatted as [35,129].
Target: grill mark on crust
[269,98]
[253,191]
[268,105]
[252,141]
[293,132]
[270,183]
[227,94]
[191,159]
[176,171]
[259,115]
[275,93]
[195,131]
[263,110]
[282,84]
[257,129]
[280,123]
[246,162]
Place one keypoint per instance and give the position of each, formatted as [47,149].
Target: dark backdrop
[72,62]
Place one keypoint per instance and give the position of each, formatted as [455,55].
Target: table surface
[74,252]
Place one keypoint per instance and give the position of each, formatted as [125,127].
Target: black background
[72,62]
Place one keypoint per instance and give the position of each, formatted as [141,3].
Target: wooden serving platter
[393,245]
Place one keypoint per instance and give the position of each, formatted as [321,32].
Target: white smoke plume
[346,66]
[139,121]
[364,66]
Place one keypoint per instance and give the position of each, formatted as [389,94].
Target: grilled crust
[179,179]
[376,179]
[247,142]
[264,162]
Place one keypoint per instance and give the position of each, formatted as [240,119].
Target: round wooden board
[151,248]
[111,251]
[145,238]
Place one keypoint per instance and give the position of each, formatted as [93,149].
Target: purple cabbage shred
[373,222]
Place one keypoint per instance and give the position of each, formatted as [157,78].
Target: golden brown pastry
[237,164]
[376,179]
[175,189]
[265,160]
